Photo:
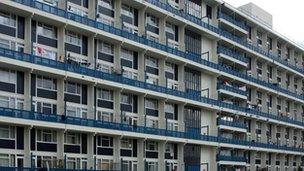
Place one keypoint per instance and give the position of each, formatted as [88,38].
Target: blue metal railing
[236,124]
[232,54]
[117,78]
[30,115]
[231,158]
[3,168]
[233,21]
[143,40]
[232,89]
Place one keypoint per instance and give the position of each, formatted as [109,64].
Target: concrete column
[27,91]
[264,42]
[253,67]
[140,154]
[300,61]
[141,21]
[181,120]
[283,133]
[60,144]
[284,51]
[161,114]
[92,11]
[91,101]
[141,66]
[91,139]
[263,159]
[254,35]
[274,46]
[282,161]
[117,62]
[117,112]
[181,77]
[181,36]
[162,31]
[161,155]
[291,86]
[273,133]
[208,155]
[274,109]
[292,57]
[180,157]
[264,71]
[264,102]
[181,4]
[253,129]
[208,122]
[60,96]
[28,35]
[141,110]
[116,153]
[61,44]
[273,161]
[91,50]
[263,133]
[162,77]
[117,14]
[283,78]
[27,147]
[252,160]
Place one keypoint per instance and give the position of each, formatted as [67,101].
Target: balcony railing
[236,124]
[30,115]
[231,158]
[118,78]
[142,40]
[3,168]
[232,54]
[232,89]
[232,20]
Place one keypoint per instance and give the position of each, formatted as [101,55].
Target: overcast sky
[288,16]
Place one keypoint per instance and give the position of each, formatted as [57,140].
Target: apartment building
[148,85]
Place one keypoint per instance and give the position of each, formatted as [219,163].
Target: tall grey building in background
[148,85]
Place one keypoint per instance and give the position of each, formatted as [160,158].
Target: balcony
[228,20]
[139,84]
[232,91]
[142,40]
[231,125]
[232,56]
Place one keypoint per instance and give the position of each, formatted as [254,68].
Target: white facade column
[92,11]
[162,77]
[161,155]
[27,147]
[162,30]
[117,61]
[28,35]
[181,119]
[181,36]
[117,14]
[180,157]
[61,44]
[62,4]
[263,132]
[181,77]
[208,155]
[141,110]
[140,154]
[161,114]
[116,153]
[60,96]
[91,139]
[91,50]
[117,112]
[141,21]
[91,101]
[252,160]
[60,145]
[141,66]
[27,91]
[208,123]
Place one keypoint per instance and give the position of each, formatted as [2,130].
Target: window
[193,9]
[106,48]
[169,108]
[127,54]
[72,138]
[126,99]
[126,143]
[105,94]
[209,12]
[152,123]
[106,4]
[151,146]
[11,102]
[152,20]
[269,72]
[105,141]
[72,88]
[46,30]
[151,62]
[46,136]
[4,160]
[7,132]
[46,83]
[73,38]
[259,38]
[127,11]
[43,107]
[279,49]
[77,11]
[105,116]
[151,104]
[8,76]
[76,112]
[7,19]
[50,2]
